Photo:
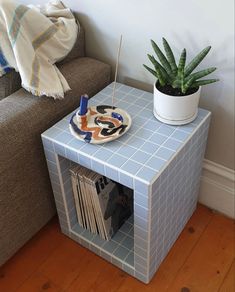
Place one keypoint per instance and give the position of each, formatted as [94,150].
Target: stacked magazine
[102,205]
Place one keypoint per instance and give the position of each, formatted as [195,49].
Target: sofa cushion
[9,83]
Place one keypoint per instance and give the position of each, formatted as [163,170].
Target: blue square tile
[141,199]
[64,137]
[110,246]
[145,113]
[84,161]
[133,129]
[47,144]
[140,102]
[52,132]
[72,155]
[76,144]
[141,187]
[141,211]
[158,138]
[146,174]
[52,167]
[117,160]
[149,147]
[133,109]
[189,128]
[87,235]
[97,240]
[112,173]
[144,134]
[103,154]
[140,156]
[147,96]
[121,252]
[98,167]
[136,142]
[59,149]
[50,155]
[128,242]
[139,121]
[140,222]
[152,125]
[125,88]
[130,259]
[90,149]
[125,228]
[137,92]
[172,144]
[121,104]
[112,146]
[164,153]
[166,130]
[126,180]
[131,167]
[139,242]
[107,91]
[126,151]
[156,163]
[78,229]
[180,135]
[118,237]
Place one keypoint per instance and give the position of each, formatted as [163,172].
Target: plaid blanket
[32,39]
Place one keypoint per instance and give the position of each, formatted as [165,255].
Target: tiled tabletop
[142,153]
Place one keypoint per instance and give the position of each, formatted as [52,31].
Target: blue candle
[83,105]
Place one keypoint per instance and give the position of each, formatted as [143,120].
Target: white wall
[193,24]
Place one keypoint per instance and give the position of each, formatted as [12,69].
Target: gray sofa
[26,199]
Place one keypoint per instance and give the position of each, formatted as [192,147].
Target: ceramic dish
[102,123]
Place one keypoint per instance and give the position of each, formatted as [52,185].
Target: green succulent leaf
[181,65]
[196,61]
[151,70]
[201,73]
[159,67]
[162,58]
[170,56]
[187,85]
[203,82]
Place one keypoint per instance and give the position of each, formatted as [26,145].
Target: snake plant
[180,77]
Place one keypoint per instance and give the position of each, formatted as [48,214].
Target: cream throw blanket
[32,39]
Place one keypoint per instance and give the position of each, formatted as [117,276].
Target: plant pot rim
[177,96]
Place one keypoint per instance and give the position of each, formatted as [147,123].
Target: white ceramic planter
[175,110]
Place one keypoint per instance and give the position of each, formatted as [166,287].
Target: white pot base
[175,122]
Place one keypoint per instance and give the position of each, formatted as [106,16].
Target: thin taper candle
[116,71]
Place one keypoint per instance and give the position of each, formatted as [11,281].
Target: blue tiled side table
[161,163]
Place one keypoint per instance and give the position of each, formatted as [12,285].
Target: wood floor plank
[23,264]
[210,260]
[38,282]
[66,263]
[177,255]
[228,284]
[90,275]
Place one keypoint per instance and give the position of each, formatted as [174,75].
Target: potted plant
[177,89]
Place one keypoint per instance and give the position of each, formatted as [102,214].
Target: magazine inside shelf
[119,249]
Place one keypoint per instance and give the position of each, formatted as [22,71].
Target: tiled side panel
[141,230]
[175,197]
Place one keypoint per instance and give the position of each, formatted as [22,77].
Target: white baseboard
[217,188]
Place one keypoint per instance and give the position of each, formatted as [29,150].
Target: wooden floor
[201,260]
